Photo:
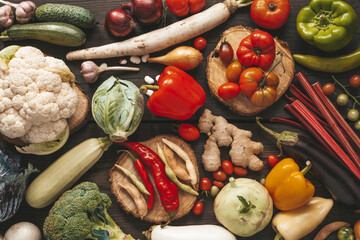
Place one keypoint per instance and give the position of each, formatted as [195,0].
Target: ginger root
[221,133]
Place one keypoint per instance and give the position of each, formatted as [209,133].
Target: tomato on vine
[205,184]
[328,89]
[270,14]
[355,81]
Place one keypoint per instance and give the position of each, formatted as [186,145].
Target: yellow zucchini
[65,171]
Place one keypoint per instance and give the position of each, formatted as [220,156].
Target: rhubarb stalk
[331,121]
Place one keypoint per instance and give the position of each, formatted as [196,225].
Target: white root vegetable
[163,38]
[190,232]
[23,230]
[188,163]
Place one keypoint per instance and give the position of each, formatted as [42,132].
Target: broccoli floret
[81,213]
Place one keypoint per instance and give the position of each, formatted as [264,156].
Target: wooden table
[152,125]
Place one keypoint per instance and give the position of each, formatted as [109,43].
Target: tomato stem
[272,6]
[262,83]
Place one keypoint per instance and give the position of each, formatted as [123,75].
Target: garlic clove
[25,11]
[6,16]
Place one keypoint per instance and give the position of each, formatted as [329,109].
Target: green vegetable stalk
[117,107]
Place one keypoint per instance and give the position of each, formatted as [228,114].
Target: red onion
[118,22]
[145,11]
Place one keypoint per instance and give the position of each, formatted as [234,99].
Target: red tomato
[188,132]
[182,7]
[226,52]
[229,90]
[227,167]
[270,14]
[257,49]
[198,208]
[218,184]
[272,160]
[233,72]
[200,43]
[219,175]
[240,171]
[355,81]
[205,184]
[328,89]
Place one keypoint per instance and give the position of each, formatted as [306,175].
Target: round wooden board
[216,71]
[157,214]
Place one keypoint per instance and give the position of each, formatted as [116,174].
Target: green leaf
[247,205]
[6,55]
[46,148]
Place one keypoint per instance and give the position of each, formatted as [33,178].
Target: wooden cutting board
[157,214]
[216,71]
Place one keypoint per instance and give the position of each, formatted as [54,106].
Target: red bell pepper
[177,96]
[181,8]
[257,49]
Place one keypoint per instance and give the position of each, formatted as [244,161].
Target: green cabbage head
[117,107]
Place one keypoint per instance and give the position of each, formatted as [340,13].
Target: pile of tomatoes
[257,53]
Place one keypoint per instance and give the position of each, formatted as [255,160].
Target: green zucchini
[78,16]
[62,34]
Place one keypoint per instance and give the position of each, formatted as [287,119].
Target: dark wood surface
[152,125]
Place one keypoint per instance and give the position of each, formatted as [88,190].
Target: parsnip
[165,37]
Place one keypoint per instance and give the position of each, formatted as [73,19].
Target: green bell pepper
[327,24]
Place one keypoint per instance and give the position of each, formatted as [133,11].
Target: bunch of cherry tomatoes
[257,52]
[343,98]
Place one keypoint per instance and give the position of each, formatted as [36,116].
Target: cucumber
[78,16]
[62,34]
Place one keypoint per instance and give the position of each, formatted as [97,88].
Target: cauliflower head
[36,96]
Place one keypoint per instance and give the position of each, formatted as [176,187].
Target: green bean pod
[337,64]
[172,176]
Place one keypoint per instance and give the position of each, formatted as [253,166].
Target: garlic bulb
[25,11]
[6,16]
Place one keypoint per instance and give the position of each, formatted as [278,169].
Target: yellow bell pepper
[288,186]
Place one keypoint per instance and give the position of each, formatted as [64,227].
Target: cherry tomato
[227,167]
[270,14]
[182,7]
[272,160]
[188,132]
[342,99]
[355,81]
[328,89]
[205,184]
[229,90]
[214,191]
[200,43]
[218,184]
[353,115]
[226,52]
[198,208]
[233,72]
[357,125]
[240,171]
[219,175]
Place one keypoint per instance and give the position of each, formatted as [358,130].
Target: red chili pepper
[167,190]
[145,177]
[178,95]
